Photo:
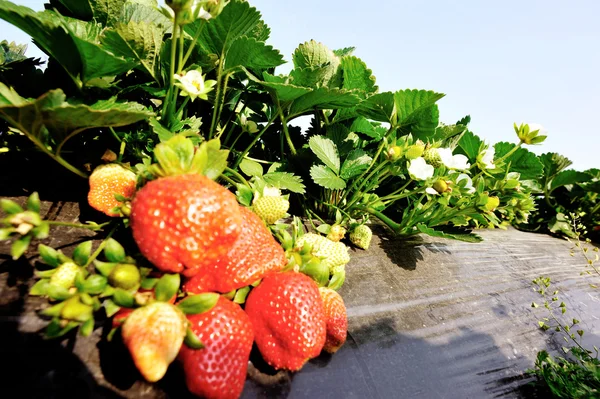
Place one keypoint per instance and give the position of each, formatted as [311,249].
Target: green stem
[364,181]
[78,225]
[452,216]
[396,227]
[393,198]
[168,97]
[286,133]
[100,247]
[181,42]
[258,136]
[193,44]
[229,180]
[183,104]
[121,151]
[229,120]
[116,136]
[70,136]
[379,150]
[237,176]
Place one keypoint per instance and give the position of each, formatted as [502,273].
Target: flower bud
[492,203]
[394,153]
[440,186]
[529,133]
[180,5]
[124,276]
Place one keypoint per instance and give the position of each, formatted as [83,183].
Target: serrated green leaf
[323,98]
[356,75]
[82,253]
[355,163]
[167,287]
[251,168]
[136,41]
[196,304]
[285,181]
[252,54]
[80,9]
[311,54]
[362,125]
[107,11]
[424,123]
[522,161]
[50,113]
[216,160]
[317,76]
[96,61]
[325,177]
[379,107]
[553,164]
[283,91]
[467,237]
[237,19]
[409,102]
[343,52]
[326,151]
[469,145]
[567,177]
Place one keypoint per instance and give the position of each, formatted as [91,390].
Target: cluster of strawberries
[191,225]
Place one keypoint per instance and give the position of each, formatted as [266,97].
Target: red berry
[336,319]
[106,181]
[184,222]
[254,254]
[287,314]
[219,369]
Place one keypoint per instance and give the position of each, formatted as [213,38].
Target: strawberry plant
[177,121]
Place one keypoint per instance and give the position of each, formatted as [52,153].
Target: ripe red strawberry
[287,314]
[254,254]
[154,334]
[106,181]
[184,222]
[219,369]
[336,318]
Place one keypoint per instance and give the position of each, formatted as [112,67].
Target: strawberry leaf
[326,151]
[325,177]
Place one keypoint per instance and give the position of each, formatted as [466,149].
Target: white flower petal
[536,126]
[418,169]
[460,162]
[469,185]
[431,190]
[487,158]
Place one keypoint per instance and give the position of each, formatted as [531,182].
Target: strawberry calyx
[179,156]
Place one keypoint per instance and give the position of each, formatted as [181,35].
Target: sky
[535,61]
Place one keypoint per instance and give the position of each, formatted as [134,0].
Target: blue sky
[501,62]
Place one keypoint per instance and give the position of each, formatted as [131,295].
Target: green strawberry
[432,157]
[333,254]
[65,275]
[336,233]
[414,151]
[361,236]
[124,276]
[271,208]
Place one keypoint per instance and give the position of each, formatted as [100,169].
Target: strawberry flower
[486,158]
[458,162]
[418,169]
[469,183]
[192,84]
